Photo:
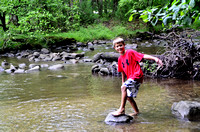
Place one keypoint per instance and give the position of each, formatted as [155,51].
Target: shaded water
[75,100]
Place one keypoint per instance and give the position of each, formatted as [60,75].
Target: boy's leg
[121,109]
[134,105]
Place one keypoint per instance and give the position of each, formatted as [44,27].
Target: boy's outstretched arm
[157,60]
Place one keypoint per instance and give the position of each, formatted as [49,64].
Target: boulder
[4,63]
[95,69]
[110,119]
[36,54]
[19,71]
[108,56]
[97,57]
[87,60]
[104,71]
[32,65]
[34,69]
[56,67]
[22,65]
[187,110]
[44,65]
[9,71]
[45,51]
[1,69]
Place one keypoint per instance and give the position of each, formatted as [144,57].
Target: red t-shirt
[129,64]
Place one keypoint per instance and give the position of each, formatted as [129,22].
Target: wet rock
[104,71]
[36,54]
[11,55]
[37,60]
[87,60]
[110,119]
[4,63]
[44,65]
[22,66]
[73,61]
[19,71]
[32,65]
[131,46]
[25,54]
[1,69]
[114,69]
[97,57]
[12,67]
[9,71]
[187,110]
[43,56]
[56,67]
[31,58]
[56,58]
[101,42]
[45,51]
[95,69]
[34,69]
[110,56]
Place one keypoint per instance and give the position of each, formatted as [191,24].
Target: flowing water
[75,100]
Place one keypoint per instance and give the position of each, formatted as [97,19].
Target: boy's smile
[120,47]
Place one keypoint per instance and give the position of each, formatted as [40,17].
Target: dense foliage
[178,12]
[28,21]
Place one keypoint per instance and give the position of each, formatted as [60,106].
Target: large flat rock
[187,110]
[110,119]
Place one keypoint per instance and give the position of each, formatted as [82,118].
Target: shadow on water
[75,100]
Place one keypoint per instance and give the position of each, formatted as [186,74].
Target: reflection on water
[75,100]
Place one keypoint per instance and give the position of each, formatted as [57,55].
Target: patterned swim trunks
[132,87]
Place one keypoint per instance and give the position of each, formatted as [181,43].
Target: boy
[128,65]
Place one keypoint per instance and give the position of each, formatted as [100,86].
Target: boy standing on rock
[128,65]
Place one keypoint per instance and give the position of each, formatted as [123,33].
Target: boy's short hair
[118,40]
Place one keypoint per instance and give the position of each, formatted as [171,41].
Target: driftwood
[178,58]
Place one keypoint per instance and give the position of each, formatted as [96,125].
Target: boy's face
[120,47]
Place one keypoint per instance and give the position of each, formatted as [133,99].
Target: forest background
[35,23]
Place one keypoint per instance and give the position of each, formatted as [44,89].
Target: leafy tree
[175,13]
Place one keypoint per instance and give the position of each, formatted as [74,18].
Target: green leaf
[130,18]
[165,19]
[192,3]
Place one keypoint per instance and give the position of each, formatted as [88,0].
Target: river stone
[19,71]
[110,56]
[119,119]
[34,69]
[56,67]
[36,54]
[104,71]
[97,57]
[9,71]
[32,65]
[4,63]
[12,67]
[187,110]
[45,51]
[22,65]
[1,69]
[44,65]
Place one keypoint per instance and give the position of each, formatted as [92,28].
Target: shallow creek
[75,100]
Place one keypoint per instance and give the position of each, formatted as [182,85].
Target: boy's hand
[158,61]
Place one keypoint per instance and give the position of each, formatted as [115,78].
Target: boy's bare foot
[118,113]
[134,114]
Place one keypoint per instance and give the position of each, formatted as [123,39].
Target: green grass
[97,32]
[84,34]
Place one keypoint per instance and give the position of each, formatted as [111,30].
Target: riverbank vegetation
[31,23]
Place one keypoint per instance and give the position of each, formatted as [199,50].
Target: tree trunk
[3,21]
[115,4]
[105,7]
[100,7]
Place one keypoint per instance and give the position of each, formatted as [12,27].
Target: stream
[75,100]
